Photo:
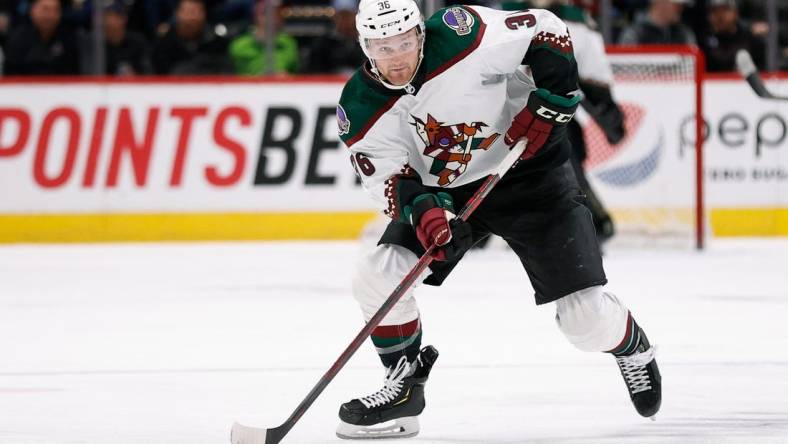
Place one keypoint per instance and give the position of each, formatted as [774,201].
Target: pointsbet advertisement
[262,159]
[175,160]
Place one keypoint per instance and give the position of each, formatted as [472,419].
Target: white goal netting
[648,181]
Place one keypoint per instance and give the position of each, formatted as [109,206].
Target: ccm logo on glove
[542,113]
[554,115]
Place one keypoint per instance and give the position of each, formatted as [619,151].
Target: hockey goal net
[651,181]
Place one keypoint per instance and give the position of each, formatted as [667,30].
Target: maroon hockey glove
[542,113]
[435,226]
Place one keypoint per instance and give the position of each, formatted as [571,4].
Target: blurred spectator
[782,34]
[5,20]
[152,17]
[5,23]
[248,51]
[727,34]
[231,11]
[662,25]
[44,46]
[126,51]
[753,12]
[191,46]
[78,13]
[630,7]
[338,52]
[74,13]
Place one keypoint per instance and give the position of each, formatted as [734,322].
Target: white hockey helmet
[382,19]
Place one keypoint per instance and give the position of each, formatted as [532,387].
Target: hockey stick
[241,434]
[747,69]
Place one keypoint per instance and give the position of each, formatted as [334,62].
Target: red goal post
[652,180]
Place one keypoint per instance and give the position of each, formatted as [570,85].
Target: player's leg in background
[603,223]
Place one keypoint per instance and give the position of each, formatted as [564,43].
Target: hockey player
[431,114]
[595,78]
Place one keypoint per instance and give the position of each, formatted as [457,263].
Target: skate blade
[399,428]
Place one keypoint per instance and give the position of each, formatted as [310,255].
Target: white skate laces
[634,369]
[392,385]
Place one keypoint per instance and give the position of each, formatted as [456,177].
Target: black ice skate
[393,411]
[642,377]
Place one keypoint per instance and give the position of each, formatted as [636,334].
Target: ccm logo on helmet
[390,24]
[554,115]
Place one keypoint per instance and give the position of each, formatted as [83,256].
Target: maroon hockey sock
[631,340]
[393,341]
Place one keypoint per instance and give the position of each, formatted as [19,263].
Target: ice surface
[171,343]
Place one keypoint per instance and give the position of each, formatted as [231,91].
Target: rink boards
[186,159]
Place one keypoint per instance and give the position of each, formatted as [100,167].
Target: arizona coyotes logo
[450,146]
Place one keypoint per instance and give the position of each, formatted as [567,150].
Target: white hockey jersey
[470,85]
[589,47]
